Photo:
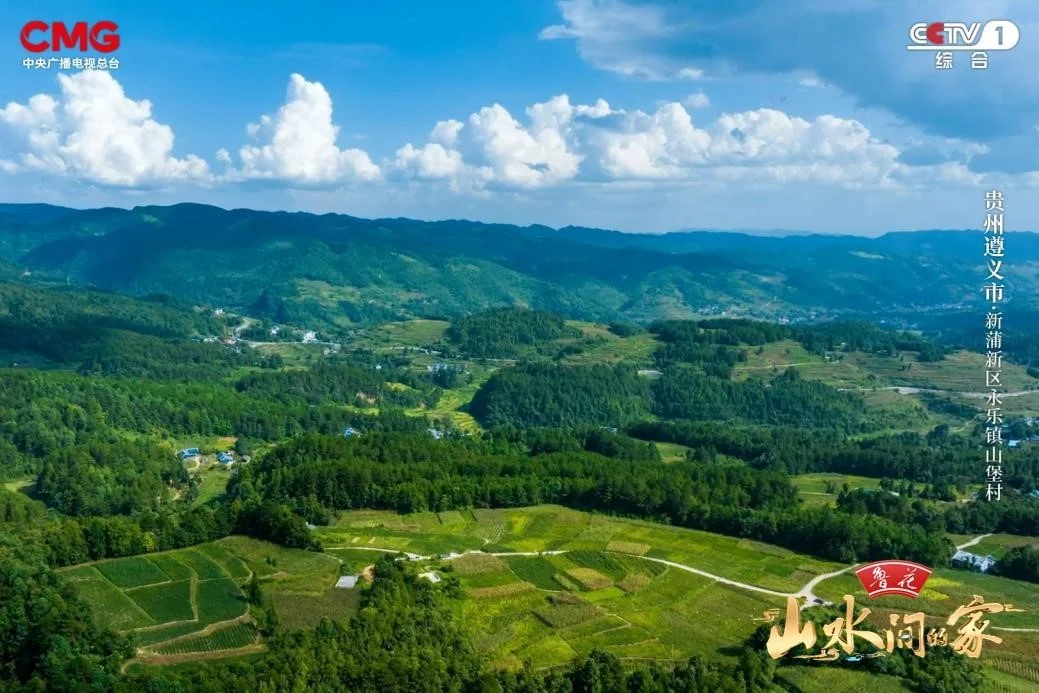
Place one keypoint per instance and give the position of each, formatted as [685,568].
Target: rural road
[805,592]
[973,541]
[914,390]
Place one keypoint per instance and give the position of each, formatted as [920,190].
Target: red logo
[936,33]
[100,36]
[900,578]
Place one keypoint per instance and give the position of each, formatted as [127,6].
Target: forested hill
[341,270]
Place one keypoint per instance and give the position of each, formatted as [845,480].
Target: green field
[671,452]
[162,596]
[229,638]
[547,528]
[605,591]
[998,544]
[813,486]
[191,601]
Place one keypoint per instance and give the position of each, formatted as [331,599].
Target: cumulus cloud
[300,143]
[499,149]
[662,39]
[93,132]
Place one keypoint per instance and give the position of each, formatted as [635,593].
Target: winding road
[806,593]
[902,390]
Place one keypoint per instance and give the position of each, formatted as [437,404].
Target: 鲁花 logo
[900,578]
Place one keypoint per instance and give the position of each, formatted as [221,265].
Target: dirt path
[809,596]
[194,656]
[973,541]
[773,365]
[902,390]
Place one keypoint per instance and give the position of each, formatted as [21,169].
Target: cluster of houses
[350,432]
[194,454]
[965,559]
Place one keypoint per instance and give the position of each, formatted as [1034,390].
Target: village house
[431,576]
[347,582]
[188,453]
[436,433]
[982,564]
[225,458]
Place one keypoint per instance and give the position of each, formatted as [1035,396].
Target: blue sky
[642,115]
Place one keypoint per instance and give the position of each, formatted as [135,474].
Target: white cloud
[301,143]
[94,133]
[696,100]
[689,73]
[763,145]
[610,35]
[502,150]
[446,132]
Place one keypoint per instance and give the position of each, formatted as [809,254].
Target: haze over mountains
[343,271]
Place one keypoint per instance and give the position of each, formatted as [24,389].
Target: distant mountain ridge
[346,271]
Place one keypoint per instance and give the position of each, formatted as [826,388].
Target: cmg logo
[38,36]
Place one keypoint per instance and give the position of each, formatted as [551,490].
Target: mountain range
[343,271]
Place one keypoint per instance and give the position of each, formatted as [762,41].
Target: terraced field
[164,596]
[561,583]
[190,602]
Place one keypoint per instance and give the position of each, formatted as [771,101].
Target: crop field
[548,528]
[191,601]
[636,350]
[947,589]
[812,487]
[604,590]
[569,609]
[229,638]
[957,372]
[451,405]
[163,596]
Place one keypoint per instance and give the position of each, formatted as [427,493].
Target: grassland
[813,486]
[671,452]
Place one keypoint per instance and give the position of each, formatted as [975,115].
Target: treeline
[159,316]
[543,394]
[1010,515]
[109,478]
[817,338]
[48,639]
[788,400]
[315,475]
[67,540]
[406,635]
[334,383]
[506,332]
[42,412]
[1020,563]
[97,333]
[938,459]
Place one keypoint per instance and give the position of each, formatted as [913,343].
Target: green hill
[344,271]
